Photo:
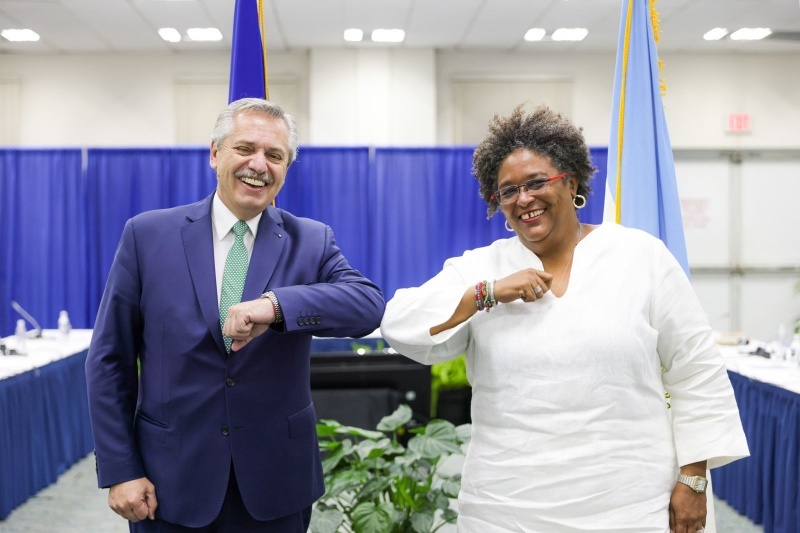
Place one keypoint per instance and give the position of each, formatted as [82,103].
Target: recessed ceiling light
[534,34]
[570,34]
[716,34]
[170,35]
[750,34]
[388,36]
[353,35]
[204,34]
[20,35]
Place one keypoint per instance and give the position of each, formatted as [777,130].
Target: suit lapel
[198,244]
[266,252]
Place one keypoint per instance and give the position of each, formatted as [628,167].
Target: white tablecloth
[42,351]
[781,373]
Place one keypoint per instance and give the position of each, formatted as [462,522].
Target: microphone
[37,329]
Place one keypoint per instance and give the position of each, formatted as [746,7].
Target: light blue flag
[249,52]
[641,191]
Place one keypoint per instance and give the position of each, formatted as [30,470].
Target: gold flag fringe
[655,21]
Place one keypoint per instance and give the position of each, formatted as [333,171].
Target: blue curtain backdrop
[331,185]
[428,210]
[42,238]
[121,183]
[398,213]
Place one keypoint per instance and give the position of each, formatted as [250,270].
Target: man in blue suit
[213,434]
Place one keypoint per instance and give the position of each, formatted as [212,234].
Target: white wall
[112,100]
[391,96]
[382,97]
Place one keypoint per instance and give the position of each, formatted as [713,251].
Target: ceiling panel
[80,26]
[425,28]
[503,23]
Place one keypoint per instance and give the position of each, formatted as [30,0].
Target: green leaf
[326,428]
[369,449]
[345,480]
[373,488]
[421,521]
[439,438]
[326,520]
[358,432]
[440,429]
[333,460]
[449,516]
[464,432]
[371,518]
[399,418]
[451,488]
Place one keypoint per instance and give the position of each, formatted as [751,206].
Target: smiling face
[542,218]
[251,163]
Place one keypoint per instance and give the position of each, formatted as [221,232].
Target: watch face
[700,484]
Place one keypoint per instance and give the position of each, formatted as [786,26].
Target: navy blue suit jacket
[194,408]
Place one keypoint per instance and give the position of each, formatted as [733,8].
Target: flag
[641,190]
[249,52]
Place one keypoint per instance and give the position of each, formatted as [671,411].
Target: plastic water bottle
[21,337]
[64,326]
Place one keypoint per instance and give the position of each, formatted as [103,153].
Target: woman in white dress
[589,325]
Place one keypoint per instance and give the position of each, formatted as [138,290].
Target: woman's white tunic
[571,430]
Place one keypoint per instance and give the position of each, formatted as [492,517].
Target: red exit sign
[739,123]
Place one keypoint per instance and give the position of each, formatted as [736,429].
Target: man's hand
[133,500]
[248,320]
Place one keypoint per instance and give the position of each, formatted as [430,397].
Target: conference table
[765,487]
[44,416]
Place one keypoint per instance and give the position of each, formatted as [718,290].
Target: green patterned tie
[233,277]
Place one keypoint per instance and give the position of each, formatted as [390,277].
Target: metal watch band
[696,483]
[274,299]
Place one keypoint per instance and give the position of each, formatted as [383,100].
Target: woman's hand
[527,285]
[687,510]
[521,285]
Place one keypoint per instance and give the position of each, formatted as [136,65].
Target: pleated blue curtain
[121,183]
[427,209]
[593,212]
[42,236]
[331,185]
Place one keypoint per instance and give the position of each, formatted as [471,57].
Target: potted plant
[374,484]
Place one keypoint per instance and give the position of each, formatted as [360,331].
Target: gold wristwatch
[696,483]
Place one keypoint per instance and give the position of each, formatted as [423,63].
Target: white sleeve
[705,418]
[411,313]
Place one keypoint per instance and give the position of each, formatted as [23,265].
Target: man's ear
[212,156]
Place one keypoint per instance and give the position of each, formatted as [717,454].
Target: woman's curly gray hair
[543,131]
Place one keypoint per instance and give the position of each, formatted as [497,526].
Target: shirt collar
[224,220]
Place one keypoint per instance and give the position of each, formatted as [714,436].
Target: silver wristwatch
[696,483]
[274,299]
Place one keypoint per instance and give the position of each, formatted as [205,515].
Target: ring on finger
[538,290]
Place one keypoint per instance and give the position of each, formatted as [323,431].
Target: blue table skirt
[766,486]
[44,428]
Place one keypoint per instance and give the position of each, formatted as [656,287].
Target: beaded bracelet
[479,292]
[484,296]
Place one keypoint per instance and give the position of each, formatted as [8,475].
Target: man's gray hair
[224,126]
